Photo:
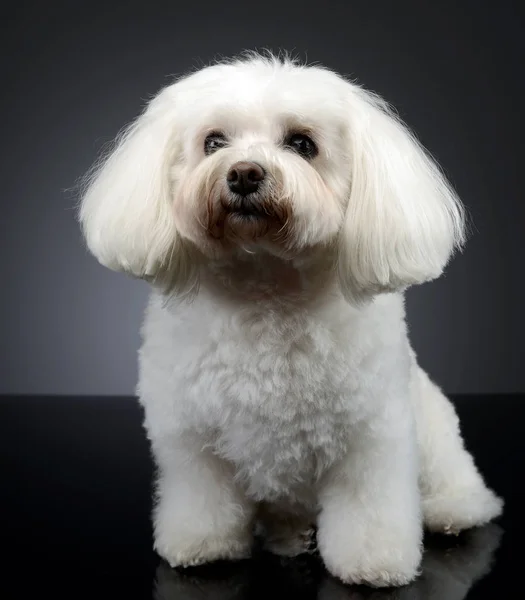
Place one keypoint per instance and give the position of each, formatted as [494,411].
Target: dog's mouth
[249,207]
[246,224]
[244,217]
[233,218]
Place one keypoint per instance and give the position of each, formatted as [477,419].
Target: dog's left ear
[403,220]
[126,209]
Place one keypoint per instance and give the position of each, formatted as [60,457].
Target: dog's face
[265,163]
[262,154]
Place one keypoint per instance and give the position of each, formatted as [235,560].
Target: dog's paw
[388,570]
[374,556]
[460,509]
[291,543]
[200,552]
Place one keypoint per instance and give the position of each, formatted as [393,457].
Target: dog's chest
[276,397]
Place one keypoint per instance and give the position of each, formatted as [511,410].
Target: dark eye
[214,141]
[302,144]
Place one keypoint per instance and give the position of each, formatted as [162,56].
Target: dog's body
[283,394]
[285,390]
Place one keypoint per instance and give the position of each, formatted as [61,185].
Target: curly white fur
[276,374]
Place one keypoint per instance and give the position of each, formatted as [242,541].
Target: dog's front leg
[370,526]
[201,515]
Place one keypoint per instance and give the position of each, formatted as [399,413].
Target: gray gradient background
[70,81]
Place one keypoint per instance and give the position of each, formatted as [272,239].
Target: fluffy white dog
[279,212]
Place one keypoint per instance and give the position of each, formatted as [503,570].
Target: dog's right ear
[126,208]
[403,220]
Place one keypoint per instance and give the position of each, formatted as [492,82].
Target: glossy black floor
[76,481]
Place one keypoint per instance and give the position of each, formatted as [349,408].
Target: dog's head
[268,154]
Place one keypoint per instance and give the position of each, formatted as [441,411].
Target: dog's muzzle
[242,207]
[244,178]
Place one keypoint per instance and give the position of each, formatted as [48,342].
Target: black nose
[244,177]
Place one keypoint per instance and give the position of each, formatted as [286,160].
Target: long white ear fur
[126,208]
[403,220]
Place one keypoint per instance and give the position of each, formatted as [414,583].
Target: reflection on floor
[451,566]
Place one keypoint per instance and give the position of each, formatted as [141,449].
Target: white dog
[279,212]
